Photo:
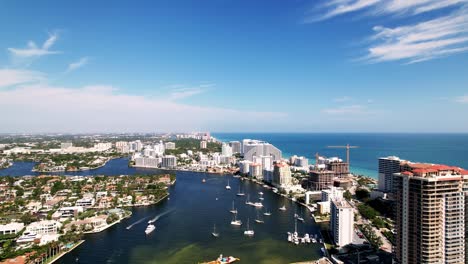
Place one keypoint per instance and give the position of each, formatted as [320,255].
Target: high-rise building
[430,213]
[255,171]
[302,162]
[387,167]
[66,145]
[320,179]
[169,162]
[341,222]
[333,193]
[244,166]
[169,145]
[253,148]
[281,175]
[236,146]
[226,150]
[203,144]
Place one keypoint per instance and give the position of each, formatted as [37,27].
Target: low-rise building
[11,228]
[85,202]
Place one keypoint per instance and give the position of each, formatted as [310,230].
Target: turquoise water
[450,149]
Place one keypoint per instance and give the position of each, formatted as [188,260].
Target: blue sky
[230,65]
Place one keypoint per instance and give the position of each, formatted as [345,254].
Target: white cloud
[33,50]
[181,93]
[343,99]
[9,77]
[78,64]
[378,7]
[462,99]
[422,41]
[43,108]
[346,110]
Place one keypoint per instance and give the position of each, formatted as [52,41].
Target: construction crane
[347,147]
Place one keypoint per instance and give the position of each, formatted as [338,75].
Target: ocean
[449,149]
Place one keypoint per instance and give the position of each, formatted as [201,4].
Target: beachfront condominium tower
[341,222]
[387,167]
[281,175]
[429,214]
[251,148]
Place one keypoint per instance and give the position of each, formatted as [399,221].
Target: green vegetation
[182,145]
[362,194]
[347,195]
[368,212]
[373,238]
[389,235]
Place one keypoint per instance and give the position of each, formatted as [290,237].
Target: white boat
[283,208]
[261,198]
[228,187]
[307,238]
[249,232]
[150,229]
[236,222]
[257,204]
[214,233]
[259,220]
[261,193]
[248,202]
[267,213]
[289,237]
[233,210]
[240,193]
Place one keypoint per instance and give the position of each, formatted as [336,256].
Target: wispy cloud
[32,50]
[422,41]
[178,92]
[462,99]
[377,7]
[10,77]
[346,110]
[78,64]
[343,99]
[140,113]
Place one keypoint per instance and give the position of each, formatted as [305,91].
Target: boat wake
[156,218]
[137,222]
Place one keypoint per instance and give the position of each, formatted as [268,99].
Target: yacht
[283,208]
[236,222]
[261,193]
[240,193]
[257,204]
[214,233]
[248,232]
[258,219]
[248,202]
[233,210]
[150,229]
[228,187]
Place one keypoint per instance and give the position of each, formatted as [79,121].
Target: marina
[194,241]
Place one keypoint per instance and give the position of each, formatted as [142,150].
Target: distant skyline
[234,66]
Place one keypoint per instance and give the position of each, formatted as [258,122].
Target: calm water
[183,232]
[450,149]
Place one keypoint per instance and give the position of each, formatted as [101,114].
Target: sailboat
[258,219]
[228,187]
[248,232]
[295,236]
[267,213]
[236,222]
[248,202]
[240,193]
[233,210]
[299,217]
[214,233]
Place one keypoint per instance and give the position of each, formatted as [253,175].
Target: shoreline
[67,251]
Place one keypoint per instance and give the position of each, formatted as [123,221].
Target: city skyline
[230,66]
